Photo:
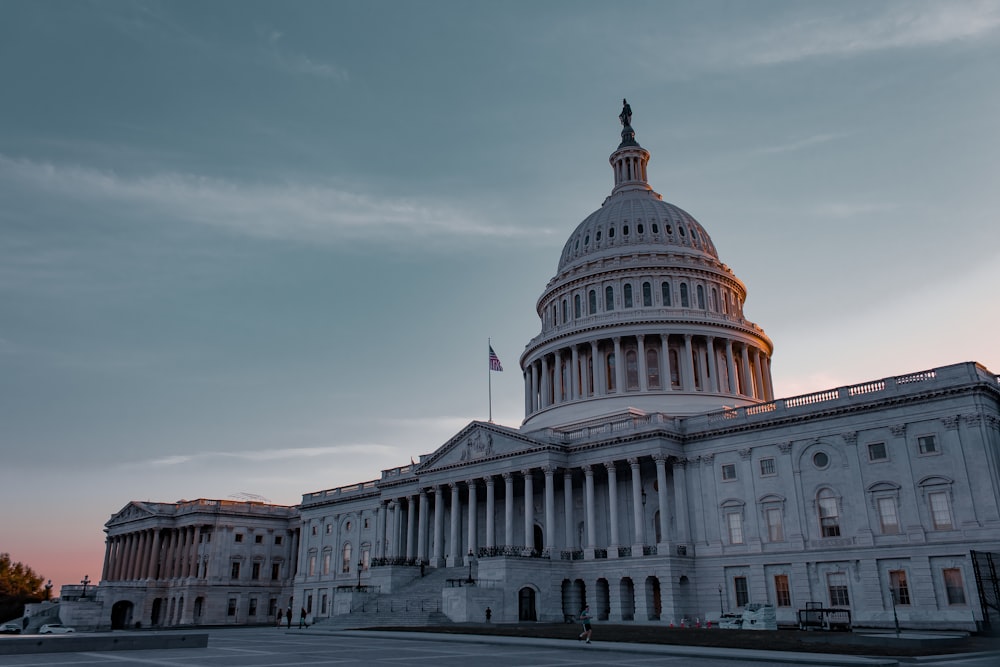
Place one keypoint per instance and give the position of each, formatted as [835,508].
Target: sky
[257,249]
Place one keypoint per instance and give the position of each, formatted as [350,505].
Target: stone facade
[655,476]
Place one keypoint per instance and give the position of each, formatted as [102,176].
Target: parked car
[55,629]
[10,628]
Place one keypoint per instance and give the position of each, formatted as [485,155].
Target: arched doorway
[654,603]
[121,615]
[154,617]
[526,604]
[627,593]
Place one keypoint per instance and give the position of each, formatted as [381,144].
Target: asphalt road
[269,647]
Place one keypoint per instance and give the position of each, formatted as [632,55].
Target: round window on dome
[598,237]
[656,228]
[586,240]
[638,228]
[669,229]
[577,246]
[611,233]
[681,230]
[625,230]
[821,460]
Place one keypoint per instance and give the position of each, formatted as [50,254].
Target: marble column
[508,533]
[661,497]
[687,377]
[619,366]
[557,376]
[491,511]
[613,508]
[759,378]
[588,473]
[575,383]
[731,366]
[454,543]
[550,508]
[680,499]
[544,402]
[568,508]
[637,506]
[666,377]
[154,556]
[438,525]
[535,389]
[713,372]
[473,493]
[107,560]
[422,527]
[643,373]
[529,509]
[411,525]
[747,375]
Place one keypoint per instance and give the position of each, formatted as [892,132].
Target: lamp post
[722,609]
[360,565]
[85,581]
[469,580]
[895,618]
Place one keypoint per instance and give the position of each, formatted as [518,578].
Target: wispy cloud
[264,455]
[800,144]
[300,63]
[292,211]
[845,210]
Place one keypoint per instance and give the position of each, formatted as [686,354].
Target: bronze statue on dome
[626,115]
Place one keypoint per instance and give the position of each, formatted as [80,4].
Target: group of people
[287,616]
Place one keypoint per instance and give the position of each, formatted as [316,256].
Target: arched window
[685,301]
[610,367]
[701,297]
[675,375]
[592,301]
[576,306]
[715,300]
[652,368]
[647,295]
[628,295]
[565,313]
[555,315]
[725,309]
[609,298]
[827,505]
[631,371]
[665,290]
[346,564]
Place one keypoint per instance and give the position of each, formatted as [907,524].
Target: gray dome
[636,218]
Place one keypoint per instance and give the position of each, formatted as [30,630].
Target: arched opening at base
[526,604]
[121,615]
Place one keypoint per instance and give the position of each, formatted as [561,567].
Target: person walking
[586,619]
[302,618]
[288,617]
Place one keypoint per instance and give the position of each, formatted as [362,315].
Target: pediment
[477,442]
[134,511]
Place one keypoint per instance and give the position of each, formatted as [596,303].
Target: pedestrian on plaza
[586,619]
[489,614]
[288,617]
[302,618]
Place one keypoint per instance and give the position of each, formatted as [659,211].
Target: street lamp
[722,609]
[48,590]
[361,564]
[469,580]
[895,618]
[85,581]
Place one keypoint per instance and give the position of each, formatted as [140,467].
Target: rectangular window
[877,452]
[829,517]
[735,522]
[232,607]
[255,571]
[729,471]
[940,510]
[887,516]
[953,587]
[312,565]
[742,592]
[277,540]
[258,539]
[836,583]
[309,604]
[326,563]
[253,607]
[782,593]
[239,537]
[329,528]
[897,584]
[927,444]
[235,571]
[366,557]
[275,571]
[272,607]
[775,528]
[767,467]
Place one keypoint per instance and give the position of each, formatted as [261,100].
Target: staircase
[416,604]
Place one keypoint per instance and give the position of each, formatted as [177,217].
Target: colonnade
[641,363]
[411,527]
[152,553]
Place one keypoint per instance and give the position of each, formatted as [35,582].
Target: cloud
[844,210]
[800,144]
[303,64]
[264,455]
[291,211]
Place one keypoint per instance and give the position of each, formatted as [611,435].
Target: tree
[18,584]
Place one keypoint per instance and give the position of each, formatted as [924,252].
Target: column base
[637,550]
[613,551]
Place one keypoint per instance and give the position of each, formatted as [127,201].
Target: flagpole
[489,376]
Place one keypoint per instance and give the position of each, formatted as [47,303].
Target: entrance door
[526,604]
[121,615]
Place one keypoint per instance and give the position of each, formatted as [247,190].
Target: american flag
[495,361]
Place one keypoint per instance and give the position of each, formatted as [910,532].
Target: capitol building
[655,477]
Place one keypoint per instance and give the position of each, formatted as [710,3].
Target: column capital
[471,483]
[490,480]
[898,430]
[850,437]
[588,470]
[549,470]
[950,423]
[633,462]
[610,465]
[526,472]
[745,453]
[660,458]
[507,476]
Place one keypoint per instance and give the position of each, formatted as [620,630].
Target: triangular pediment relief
[477,442]
[134,511]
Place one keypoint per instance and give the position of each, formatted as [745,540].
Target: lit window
[326,563]
[610,369]
[940,510]
[953,586]
[876,452]
[927,444]
[742,592]
[836,583]
[665,293]
[829,514]
[735,522]
[767,467]
[346,564]
[628,295]
[728,471]
[782,592]
[775,528]
[312,565]
[887,516]
[897,584]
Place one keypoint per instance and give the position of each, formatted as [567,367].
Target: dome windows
[665,293]
[592,302]
[701,297]
[685,300]
[625,230]
[639,229]
[647,295]
[586,240]
[597,238]
[680,228]
[609,298]
[611,233]
[577,306]
[628,295]
[669,229]
[656,228]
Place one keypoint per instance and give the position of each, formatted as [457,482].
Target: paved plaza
[268,647]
